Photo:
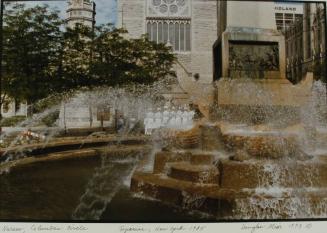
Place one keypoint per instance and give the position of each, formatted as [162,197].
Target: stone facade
[195,65]
[251,14]
[214,26]
[202,14]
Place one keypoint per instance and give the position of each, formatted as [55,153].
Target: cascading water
[20,151]
[280,185]
[272,167]
[107,180]
[131,103]
[280,193]
[113,173]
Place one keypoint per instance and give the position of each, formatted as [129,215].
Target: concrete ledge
[204,174]
[292,174]
[201,159]
[263,92]
[114,152]
[225,203]
[70,144]
[162,158]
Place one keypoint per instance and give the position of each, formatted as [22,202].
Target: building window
[289,17]
[176,32]
[284,21]
[298,17]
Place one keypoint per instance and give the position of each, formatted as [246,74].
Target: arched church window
[160,36]
[154,32]
[188,37]
[172,34]
[148,29]
[165,32]
[182,37]
[177,33]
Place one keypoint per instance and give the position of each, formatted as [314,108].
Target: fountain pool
[52,191]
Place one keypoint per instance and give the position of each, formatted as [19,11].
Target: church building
[193,29]
[189,26]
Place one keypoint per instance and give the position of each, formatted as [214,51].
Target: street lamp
[1,42]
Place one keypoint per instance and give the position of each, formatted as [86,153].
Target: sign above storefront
[294,8]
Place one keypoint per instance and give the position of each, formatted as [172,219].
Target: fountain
[119,154]
[262,154]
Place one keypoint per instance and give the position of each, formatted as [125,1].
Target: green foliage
[31,42]
[118,60]
[108,58]
[76,59]
[50,119]
[41,60]
[11,121]
[51,100]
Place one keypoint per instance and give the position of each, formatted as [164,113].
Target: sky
[105,9]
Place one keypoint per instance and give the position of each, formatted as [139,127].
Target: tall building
[80,12]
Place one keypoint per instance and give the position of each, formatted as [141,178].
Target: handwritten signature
[257,227]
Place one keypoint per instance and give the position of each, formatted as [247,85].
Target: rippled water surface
[52,191]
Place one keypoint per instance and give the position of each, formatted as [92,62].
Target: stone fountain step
[205,174]
[321,138]
[266,145]
[211,137]
[264,173]
[164,157]
[204,197]
[188,142]
[226,202]
[202,159]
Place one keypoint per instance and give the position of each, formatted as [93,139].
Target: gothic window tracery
[169,22]
[169,7]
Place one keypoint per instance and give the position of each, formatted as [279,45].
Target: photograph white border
[296,226]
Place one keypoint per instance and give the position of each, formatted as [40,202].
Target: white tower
[82,12]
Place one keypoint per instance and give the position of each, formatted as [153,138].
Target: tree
[118,60]
[41,58]
[32,40]
[107,57]
[76,59]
